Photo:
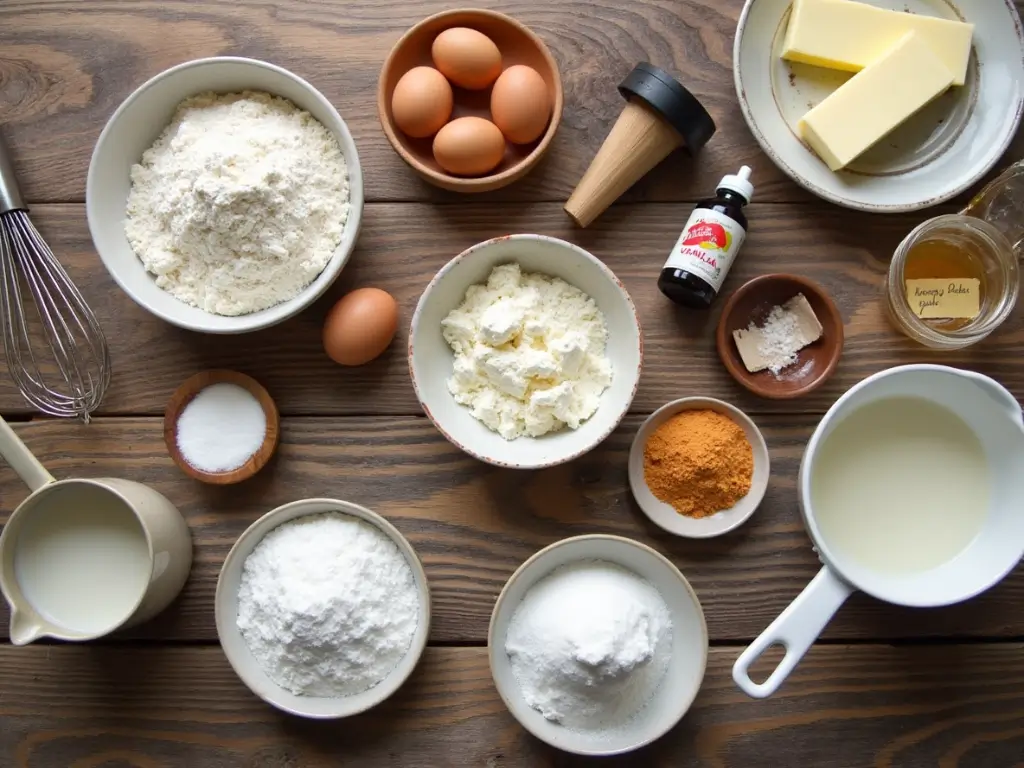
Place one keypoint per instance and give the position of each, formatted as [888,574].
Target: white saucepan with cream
[912,490]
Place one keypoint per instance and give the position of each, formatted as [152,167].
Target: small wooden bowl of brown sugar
[221,427]
[698,467]
[791,335]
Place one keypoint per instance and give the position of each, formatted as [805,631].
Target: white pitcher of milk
[912,490]
[82,558]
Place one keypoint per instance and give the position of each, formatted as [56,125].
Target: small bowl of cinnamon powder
[698,467]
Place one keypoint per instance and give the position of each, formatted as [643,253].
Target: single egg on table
[520,104]
[360,326]
[468,58]
[469,146]
[421,102]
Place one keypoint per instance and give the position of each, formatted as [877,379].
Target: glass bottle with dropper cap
[704,252]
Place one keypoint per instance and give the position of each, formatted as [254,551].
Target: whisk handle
[10,195]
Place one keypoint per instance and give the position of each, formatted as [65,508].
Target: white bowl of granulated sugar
[598,645]
[306,592]
[246,217]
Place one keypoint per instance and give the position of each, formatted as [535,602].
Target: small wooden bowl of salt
[780,336]
[221,427]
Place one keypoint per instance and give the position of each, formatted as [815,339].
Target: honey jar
[954,279]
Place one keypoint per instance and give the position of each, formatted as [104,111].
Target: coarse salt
[221,428]
[778,344]
[775,343]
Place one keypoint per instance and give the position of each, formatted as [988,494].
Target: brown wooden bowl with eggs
[470,99]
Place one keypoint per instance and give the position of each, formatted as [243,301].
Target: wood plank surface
[402,246]
[66,65]
[885,687]
[844,707]
[473,524]
[67,72]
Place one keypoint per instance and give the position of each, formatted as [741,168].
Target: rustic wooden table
[884,687]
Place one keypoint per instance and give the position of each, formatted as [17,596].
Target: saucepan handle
[796,629]
[31,472]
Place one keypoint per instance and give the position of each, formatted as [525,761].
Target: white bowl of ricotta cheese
[525,351]
[244,211]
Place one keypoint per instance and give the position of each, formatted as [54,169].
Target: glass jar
[997,262]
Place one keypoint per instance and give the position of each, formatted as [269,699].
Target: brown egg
[360,326]
[468,58]
[421,102]
[469,146]
[520,104]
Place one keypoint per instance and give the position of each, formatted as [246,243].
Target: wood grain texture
[66,65]
[473,524]
[164,695]
[402,246]
[844,707]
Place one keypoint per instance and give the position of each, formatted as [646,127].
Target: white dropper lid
[739,183]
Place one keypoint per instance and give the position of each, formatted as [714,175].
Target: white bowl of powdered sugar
[598,645]
[322,608]
[225,195]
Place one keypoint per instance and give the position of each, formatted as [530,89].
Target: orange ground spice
[700,462]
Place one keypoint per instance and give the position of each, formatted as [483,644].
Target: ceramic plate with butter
[935,155]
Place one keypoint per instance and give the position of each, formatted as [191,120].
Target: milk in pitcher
[82,560]
[900,485]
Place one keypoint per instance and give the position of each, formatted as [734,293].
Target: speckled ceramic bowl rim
[425,297]
[722,342]
[292,511]
[500,606]
[755,495]
[493,180]
[824,194]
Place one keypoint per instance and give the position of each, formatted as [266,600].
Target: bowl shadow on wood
[814,364]
[710,550]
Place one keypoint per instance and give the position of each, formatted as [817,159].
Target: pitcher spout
[25,628]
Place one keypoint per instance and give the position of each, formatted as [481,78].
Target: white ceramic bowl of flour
[686,665]
[245,664]
[431,360]
[133,128]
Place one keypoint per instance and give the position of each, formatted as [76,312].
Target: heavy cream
[82,561]
[900,485]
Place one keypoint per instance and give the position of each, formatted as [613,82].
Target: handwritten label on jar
[944,297]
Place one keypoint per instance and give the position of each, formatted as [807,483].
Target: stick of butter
[874,101]
[841,34]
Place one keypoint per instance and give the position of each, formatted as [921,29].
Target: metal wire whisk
[57,355]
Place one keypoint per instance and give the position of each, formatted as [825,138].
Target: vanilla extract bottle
[704,252]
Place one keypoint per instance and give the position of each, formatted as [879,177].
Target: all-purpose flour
[239,204]
[590,644]
[327,605]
